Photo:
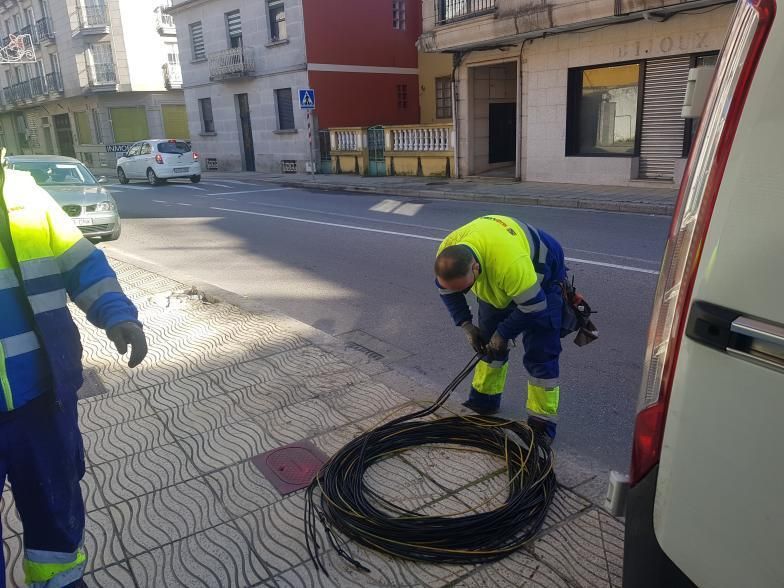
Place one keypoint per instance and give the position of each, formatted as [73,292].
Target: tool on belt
[577,315]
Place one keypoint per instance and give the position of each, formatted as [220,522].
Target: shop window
[602,118]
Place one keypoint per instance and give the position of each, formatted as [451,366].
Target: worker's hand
[129,333]
[474,338]
[498,346]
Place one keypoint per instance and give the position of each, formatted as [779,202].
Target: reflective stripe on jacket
[39,342]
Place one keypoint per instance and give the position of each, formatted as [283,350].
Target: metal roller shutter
[175,121]
[129,124]
[662,125]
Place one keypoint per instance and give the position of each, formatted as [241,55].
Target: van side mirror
[102,179]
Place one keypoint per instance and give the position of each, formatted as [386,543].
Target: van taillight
[195,156]
[742,48]
[159,158]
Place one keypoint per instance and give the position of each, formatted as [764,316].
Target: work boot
[544,430]
[483,404]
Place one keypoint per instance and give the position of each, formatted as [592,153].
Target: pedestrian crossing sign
[307,99]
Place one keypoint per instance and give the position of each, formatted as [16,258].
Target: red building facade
[362,60]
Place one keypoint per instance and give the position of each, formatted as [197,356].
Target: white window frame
[276,23]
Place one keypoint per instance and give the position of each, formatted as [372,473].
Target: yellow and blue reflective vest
[519,265]
[40,349]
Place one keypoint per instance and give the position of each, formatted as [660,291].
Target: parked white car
[157,160]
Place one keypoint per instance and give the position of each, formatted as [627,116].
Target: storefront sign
[683,43]
[212,163]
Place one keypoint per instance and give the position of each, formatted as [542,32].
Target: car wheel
[121,176]
[152,178]
[115,233]
[195,179]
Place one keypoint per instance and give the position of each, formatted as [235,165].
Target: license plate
[83,222]
[180,169]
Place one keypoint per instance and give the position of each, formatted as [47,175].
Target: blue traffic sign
[307,99]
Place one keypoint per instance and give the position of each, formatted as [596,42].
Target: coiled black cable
[340,500]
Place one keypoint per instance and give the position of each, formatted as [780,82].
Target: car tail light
[159,158]
[738,61]
[195,156]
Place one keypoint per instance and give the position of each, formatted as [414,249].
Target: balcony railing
[164,23]
[8,94]
[232,63]
[93,18]
[449,10]
[22,91]
[31,30]
[346,140]
[419,138]
[102,74]
[172,76]
[38,86]
[45,29]
[54,82]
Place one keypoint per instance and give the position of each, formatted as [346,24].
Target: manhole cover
[292,467]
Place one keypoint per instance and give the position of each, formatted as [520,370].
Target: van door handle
[746,338]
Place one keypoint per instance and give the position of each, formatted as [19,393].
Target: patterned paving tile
[200,417]
[578,550]
[242,488]
[228,445]
[220,556]
[115,576]
[100,541]
[167,515]
[144,472]
[125,439]
[12,553]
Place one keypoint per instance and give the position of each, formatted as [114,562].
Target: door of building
[247,133]
[376,163]
[663,130]
[62,129]
[325,153]
[502,132]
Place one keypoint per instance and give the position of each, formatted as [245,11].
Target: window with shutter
[197,41]
[285,109]
[234,28]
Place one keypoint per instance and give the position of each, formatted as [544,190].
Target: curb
[572,203]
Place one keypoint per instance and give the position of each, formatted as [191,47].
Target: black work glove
[498,346]
[474,338]
[129,333]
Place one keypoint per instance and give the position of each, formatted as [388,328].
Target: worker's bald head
[455,266]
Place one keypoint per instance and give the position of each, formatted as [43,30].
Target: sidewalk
[173,499]
[638,199]
[642,199]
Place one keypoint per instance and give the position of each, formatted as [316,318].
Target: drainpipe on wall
[457,58]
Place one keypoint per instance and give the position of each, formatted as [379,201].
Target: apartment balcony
[164,23]
[102,77]
[93,20]
[31,30]
[172,76]
[453,10]
[22,92]
[232,63]
[38,87]
[45,30]
[54,83]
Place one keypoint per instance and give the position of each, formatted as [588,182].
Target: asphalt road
[359,265]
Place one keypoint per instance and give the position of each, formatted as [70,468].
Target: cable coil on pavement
[341,501]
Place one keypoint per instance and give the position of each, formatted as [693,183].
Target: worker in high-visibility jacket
[43,259]
[515,271]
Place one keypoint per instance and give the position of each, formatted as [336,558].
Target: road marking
[238,182]
[219,185]
[249,191]
[126,187]
[423,237]
[160,201]
[188,187]
[183,204]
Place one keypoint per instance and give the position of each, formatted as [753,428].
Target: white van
[706,503]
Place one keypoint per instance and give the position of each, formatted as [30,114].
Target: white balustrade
[346,140]
[421,139]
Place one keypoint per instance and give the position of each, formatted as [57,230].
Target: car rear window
[177,147]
